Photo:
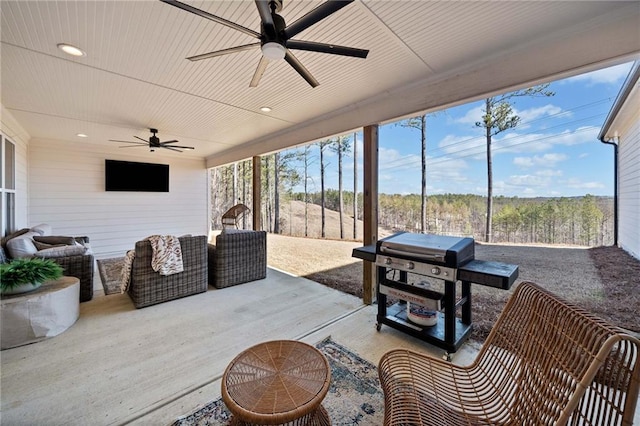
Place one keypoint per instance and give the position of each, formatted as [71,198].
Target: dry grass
[603,280]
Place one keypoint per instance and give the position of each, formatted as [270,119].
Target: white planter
[22,288]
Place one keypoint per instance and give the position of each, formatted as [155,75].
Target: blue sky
[554,151]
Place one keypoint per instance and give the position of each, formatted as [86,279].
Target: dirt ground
[603,280]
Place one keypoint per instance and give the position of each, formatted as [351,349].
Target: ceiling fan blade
[211,17]
[177,146]
[316,15]
[171,141]
[168,147]
[224,52]
[297,65]
[267,20]
[132,146]
[143,140]
[262,66]
[327,48]
[138,143]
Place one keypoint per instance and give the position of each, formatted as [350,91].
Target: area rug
[109,270]
[354,398]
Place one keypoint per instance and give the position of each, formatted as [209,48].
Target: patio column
[257,185]
[370,208]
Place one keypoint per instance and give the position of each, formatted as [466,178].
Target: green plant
[25,271]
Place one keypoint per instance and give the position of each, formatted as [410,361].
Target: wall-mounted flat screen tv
[132,176]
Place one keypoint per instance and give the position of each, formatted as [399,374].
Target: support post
[257,186]
[370,208]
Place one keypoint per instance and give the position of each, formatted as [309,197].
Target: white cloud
[401,173]
[474,115]
[578,184]
[538,142]
[585,134]
[609,75]
[447,170]
[528,180]
[549,173]
[531,114]
[546,160]
[389,154]
[522,143]
[462,146]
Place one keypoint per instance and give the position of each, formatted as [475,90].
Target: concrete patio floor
[119,365]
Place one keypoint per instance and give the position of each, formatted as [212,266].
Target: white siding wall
[629,188]
[14,132]
[66,190]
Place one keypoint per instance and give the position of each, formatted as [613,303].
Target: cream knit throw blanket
[167,254]
[166,258]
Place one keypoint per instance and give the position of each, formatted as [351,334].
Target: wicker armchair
[148,287]
[238,257]
[545,362]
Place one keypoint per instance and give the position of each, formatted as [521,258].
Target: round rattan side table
[277,382]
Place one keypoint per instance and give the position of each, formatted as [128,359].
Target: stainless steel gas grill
[450,259]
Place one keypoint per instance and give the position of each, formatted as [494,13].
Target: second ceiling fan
[275,36]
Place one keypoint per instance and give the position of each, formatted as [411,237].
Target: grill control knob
[410,265]
[435,270]
[387,261]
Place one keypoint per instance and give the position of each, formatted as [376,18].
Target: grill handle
[423,256]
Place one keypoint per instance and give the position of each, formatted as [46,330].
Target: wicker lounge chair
[148,287]
[237,257]
[546,362]
[231,217]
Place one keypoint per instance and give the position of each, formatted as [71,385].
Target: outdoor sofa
[73,254]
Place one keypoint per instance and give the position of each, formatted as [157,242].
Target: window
[7,184]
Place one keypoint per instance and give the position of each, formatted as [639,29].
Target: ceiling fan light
[273,51]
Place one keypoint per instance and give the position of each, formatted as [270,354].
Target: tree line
[585,220]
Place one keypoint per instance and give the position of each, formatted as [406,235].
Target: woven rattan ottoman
[277,382]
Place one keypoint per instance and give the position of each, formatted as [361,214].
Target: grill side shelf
[489,273]
[367,253]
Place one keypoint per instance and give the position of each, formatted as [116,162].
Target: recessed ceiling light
[71,50]
[81,135]
[265,109]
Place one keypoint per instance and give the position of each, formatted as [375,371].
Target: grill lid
[428,248]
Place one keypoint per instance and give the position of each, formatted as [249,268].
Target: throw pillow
[62,251]
[55,240]
[22,246]
[44,246]
[84,242]
[42,229]
[14,234]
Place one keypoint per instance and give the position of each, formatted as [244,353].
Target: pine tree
[498,117]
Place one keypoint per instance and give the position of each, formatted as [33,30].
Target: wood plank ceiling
[423,54]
